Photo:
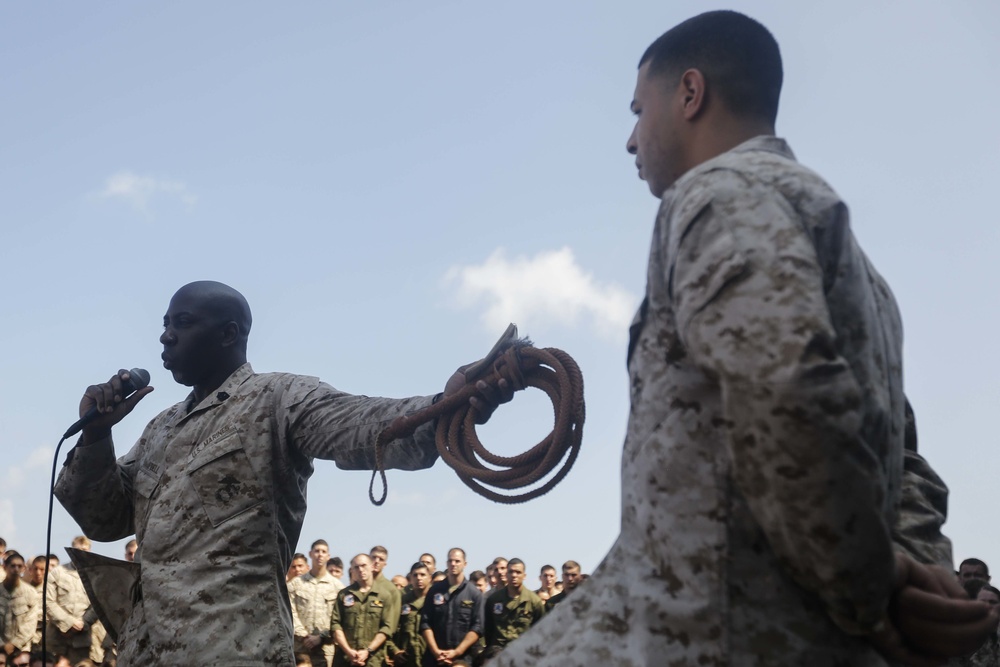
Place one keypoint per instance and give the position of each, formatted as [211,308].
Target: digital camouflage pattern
[216,494]
[988,655]
[20,610]
[313,599]
[68,604]
[765,480]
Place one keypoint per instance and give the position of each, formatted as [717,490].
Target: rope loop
[521,365]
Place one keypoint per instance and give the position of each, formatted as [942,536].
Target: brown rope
[551,370]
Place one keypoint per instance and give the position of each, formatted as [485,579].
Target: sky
[391,183]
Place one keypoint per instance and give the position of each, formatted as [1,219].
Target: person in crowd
[428,560]
[335,566]
[973,568]
[481,581]
[400,582]
[359,622]
[547,578]
[513,609]
[452,618]
[313,596]
[130,548]
[570,580]
[70,614]
[20,606]
[390,595]
[440,575]
[298,567]
[408,644]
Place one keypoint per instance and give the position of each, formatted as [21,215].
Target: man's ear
[230,333]
[692,88]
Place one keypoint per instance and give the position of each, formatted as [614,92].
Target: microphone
[137,379]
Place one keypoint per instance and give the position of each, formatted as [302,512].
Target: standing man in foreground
[773,512]
[215,489]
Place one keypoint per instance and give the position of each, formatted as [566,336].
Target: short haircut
[336,562]
[515,561]
[131,543]
[499,559]
[378,549]
[476,576]
[319,543]
[459,550]
[433,559]
[298,556]
[991,589]
[11,555]
[738,57]
[571,565]
[975,562]
[81,541]
[419,566]
[39,559]
[545,568]
[3,543]
[367,557]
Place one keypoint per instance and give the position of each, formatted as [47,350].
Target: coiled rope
[521,365]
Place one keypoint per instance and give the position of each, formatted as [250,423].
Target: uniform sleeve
[97,491]
[58,614]
[298,629]
[479,615]
[923,506]
[388,622]
[751,312]
[393,607]
[28,621]
[335,616]
[329,424]
[427,612]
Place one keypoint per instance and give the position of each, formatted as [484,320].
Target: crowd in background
[373,619]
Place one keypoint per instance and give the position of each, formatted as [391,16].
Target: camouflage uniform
[68,604]
[408,637]
[313,600]
[765,477]
[508,618]
[216,495]
[361,616]
[20,610]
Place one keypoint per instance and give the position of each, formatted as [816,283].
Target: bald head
[220,298]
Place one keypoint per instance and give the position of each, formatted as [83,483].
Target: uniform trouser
[63,644]
[319,656]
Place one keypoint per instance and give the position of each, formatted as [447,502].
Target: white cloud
[549,288]
[139,190]
[38,459]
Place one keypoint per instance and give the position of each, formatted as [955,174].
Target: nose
[167,337]
[631,145]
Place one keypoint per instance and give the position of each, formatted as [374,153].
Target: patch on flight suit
[348,600]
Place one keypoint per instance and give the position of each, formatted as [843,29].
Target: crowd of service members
[423,616]
[427,616]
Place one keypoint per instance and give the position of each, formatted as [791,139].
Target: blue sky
[390,183]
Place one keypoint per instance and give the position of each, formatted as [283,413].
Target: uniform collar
[219,396]
[763,143]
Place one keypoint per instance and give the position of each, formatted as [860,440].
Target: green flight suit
[507,618]
[408,637]
[361,616]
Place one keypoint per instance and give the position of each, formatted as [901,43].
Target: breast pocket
[224,480]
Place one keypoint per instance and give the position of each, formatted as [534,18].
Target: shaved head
[230,305]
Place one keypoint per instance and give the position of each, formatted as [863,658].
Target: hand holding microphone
[104,405]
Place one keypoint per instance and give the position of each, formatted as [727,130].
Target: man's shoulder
[499,595]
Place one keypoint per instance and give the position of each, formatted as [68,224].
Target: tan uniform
[68,604]
[313,599]
[216,495]
[20,610]
[765,479]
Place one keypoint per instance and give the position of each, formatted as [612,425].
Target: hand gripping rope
[522,365]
